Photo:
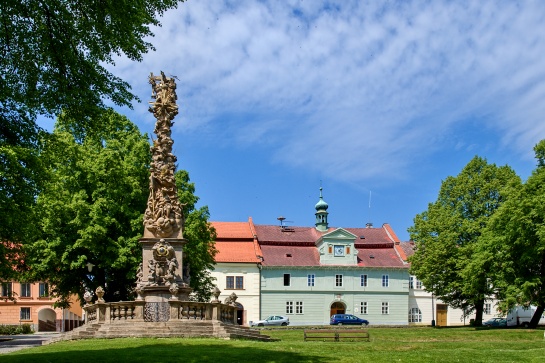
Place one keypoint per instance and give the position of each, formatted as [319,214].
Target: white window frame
[415,315]
[385,281]
[488,308]
[289,307]
[338,280]
[311,279]
[239,282]
[298,307]
[364,308]
[385,308]
[364,280]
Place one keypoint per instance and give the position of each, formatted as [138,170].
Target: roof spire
[321,213]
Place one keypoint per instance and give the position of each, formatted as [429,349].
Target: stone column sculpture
[160,279]
[164,216]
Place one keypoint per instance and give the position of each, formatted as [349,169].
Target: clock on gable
[338,251]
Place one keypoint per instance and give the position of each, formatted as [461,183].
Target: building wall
[41,308]
[317,300]
[248,297]
[420,298]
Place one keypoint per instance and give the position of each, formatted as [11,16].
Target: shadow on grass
[161,352]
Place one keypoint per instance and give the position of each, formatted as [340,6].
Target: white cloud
[368,88]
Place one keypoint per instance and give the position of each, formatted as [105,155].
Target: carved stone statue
[100,293]
[88,296]
[139,274]
[174,291]
[152,276]
[164,215]
[231,299]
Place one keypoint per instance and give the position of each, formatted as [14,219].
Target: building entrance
[337,308]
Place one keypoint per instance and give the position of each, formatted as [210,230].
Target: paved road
[11,343]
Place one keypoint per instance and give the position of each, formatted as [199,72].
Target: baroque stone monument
[160,277]
[163,306]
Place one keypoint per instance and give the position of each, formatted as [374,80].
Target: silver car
[272,320]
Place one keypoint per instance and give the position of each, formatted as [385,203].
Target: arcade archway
[47,320]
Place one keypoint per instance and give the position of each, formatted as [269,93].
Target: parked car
[272,320]
[496,322]
[347,319]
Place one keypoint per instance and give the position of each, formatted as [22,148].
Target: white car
[272,320]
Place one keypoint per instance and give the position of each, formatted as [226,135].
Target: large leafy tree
[447,234]
[91,207]
[53,58]
[515,244]
[200,250]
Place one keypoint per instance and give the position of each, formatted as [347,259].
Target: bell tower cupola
[321,214]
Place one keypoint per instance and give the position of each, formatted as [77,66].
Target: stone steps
[179,328]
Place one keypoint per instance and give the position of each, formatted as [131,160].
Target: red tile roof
[235,242]
[290,256]
[233,230]
[379,257]
[296,246]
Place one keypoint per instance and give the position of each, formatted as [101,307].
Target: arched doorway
[240,314]
[337,308]
[47,320]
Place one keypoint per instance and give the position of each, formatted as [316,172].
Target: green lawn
[386,345]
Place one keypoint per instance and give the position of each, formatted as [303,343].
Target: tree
[53,58]
[91,207]
[447,234]
[20,175]
[91,211]
[200,250]
[515,244]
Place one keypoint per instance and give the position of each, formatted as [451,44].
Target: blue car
[347,319]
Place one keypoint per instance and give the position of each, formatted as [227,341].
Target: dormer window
[288,254]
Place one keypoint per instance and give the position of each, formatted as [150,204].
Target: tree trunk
[537,315]
[479,309]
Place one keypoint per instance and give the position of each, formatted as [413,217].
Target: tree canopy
[54,53]
[53,59]
[448,232]
[90,209]
[515,244]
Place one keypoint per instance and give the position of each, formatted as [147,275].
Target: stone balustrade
[110,313]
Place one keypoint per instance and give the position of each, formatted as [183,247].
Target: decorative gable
[337,248]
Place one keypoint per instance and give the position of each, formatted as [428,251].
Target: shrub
[16,329]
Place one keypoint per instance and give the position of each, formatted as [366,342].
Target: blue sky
[387,97]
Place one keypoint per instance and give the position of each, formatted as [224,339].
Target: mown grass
[386,345]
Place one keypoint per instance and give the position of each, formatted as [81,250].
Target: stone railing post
[139,310]
[103,313]
[174,309]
